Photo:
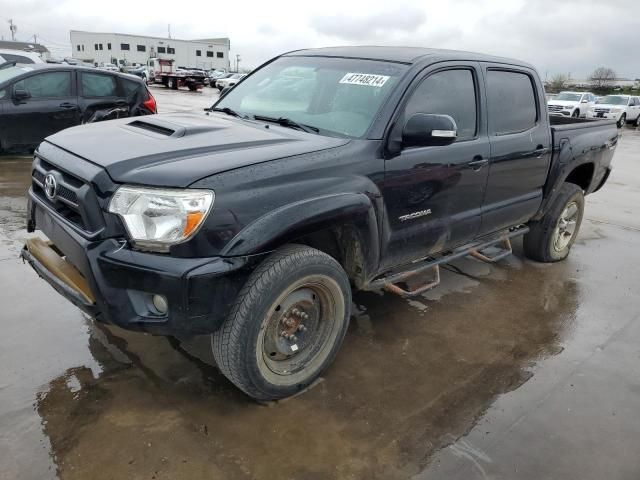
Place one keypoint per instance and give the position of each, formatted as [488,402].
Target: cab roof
[407,55]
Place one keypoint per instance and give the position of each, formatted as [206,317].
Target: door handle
[68,106]
[540,151]
[477,163]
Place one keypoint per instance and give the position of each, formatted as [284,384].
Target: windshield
[571,97]
[614,100]
[335,95]
[11,72]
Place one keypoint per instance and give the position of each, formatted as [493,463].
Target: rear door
[635,108]
[433,195]
[51,106]
[98,91]
[520,141]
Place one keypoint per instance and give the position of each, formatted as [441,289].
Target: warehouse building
[121,49]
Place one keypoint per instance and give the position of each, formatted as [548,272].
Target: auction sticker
[365,79]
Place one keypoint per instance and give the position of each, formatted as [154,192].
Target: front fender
[292,221]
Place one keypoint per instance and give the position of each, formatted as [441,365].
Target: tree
[558,82]
[602,77]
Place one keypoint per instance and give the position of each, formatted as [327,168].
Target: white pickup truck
[622,108]
[571,104]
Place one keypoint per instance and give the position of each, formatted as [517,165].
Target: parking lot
[513,369]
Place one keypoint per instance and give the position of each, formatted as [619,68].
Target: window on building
[98,85]
[83,48]
[162,50]
[511,102]
[210,54]
[450,92]
[78,47]
[220,54]
[171,50]
[108,46]
[142,48]
[47,85]
[198,53]
[100,45]
[124,46]
[95,46]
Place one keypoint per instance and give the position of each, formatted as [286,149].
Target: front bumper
[605,115]
[120,282]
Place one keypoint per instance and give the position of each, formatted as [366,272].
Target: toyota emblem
[50,186]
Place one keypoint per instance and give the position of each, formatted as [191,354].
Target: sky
[557,36]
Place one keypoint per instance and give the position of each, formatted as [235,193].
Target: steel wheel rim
[320,309]
[566,227]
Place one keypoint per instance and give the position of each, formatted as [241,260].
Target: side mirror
[585,101]
[426,130]
[21,94]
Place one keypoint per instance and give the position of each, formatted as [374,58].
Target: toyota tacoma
[322,172]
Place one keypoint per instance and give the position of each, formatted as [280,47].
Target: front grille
[555,108]
[602,110]
[71,193]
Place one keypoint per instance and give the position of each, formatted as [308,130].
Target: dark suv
[41,99]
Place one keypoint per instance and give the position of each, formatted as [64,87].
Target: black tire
[541,242]
[172,84]
[638,121]
[249,347]
[576,113]
[622,121]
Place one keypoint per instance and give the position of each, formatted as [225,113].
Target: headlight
[157,218]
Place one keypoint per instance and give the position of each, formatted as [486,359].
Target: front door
[51,106]
[433,195]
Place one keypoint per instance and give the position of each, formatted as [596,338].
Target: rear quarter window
[511,102]
[99,85]
[130,87]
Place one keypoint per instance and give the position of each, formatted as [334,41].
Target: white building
[95,47]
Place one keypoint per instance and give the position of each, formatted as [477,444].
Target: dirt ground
[513,370]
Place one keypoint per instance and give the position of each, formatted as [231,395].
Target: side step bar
[475,250]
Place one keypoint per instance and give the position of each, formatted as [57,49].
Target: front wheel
[287,324]
[576,114]
[622,121]
[550,239]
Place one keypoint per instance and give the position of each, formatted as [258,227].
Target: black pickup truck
[323,171]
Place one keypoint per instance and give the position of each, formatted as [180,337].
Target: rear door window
[46,85]
[511,102]
[449,92]
[99,85]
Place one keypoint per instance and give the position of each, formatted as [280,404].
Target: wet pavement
[509,371]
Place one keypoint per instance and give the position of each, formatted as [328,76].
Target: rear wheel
[638,121]
[172,84]
[550,239]
[287,324]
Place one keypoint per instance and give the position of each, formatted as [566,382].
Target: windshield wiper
[226,110]
[287,122]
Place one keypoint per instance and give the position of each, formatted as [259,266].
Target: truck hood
[176,150]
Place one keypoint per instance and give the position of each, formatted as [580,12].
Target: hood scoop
[156,128]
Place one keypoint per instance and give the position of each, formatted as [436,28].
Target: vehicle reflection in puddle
[411,376]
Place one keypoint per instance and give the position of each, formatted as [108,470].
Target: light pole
[237,63]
